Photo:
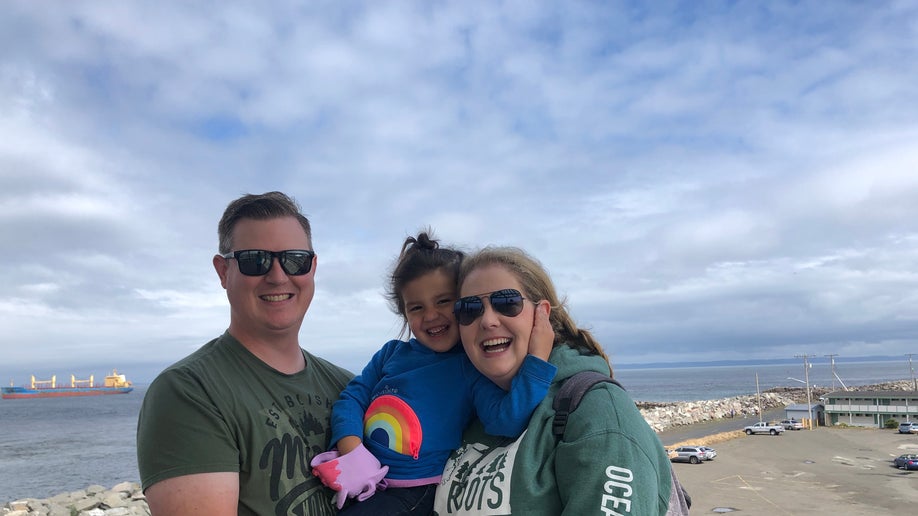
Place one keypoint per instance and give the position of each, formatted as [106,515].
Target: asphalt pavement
[699,430]
[832,471]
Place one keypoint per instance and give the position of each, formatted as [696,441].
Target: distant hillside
[773,361]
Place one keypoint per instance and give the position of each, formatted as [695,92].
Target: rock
[18,505]
[62,498]
[113,499]
[126,487]
[94,489]
[661,416]
[118,511]
[59,510]
[86,503]
[124,499]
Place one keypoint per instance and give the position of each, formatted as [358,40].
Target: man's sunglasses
[257,262]
[508,302]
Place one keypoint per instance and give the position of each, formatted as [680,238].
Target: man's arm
[186,452]
[215,494]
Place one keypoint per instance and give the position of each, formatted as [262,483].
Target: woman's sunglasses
[257,262]
[508,302]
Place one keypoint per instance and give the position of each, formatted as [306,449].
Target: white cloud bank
[703,182]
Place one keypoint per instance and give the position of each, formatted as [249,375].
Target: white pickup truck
[764,428]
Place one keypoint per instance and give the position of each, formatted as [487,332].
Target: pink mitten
[356,474]
[322,467]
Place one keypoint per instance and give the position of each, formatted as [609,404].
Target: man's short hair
[269,205]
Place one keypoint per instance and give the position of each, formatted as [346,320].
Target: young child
[396,423]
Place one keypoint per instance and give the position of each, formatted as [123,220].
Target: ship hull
[12,393]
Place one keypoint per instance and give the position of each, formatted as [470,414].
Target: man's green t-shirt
[221,409]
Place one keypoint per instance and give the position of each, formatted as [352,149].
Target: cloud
[701,181]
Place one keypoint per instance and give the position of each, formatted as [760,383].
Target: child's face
[429,303]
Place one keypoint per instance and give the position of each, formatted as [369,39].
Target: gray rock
[113,499]
[62,498]
[95,489]
[118,511]
[86,503]
[126,487]
[19,505]
[58,510]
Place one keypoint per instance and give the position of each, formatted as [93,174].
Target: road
[688,432]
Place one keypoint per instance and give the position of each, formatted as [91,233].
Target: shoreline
[123,499]
[663,416]
[670,420]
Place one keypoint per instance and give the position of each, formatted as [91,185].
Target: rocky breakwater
[662,416]
[124,499]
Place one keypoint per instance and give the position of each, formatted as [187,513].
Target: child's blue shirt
[410,405]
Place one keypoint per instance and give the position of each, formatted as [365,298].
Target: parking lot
[823,471]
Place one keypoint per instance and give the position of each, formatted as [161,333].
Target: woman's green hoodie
[609,462]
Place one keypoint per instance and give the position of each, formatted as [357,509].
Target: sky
[703,180]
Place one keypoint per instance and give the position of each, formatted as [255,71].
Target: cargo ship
[114,384]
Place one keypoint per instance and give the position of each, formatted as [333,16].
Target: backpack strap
[569,395]
[571,392]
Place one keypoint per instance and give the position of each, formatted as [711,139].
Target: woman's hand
[542,338]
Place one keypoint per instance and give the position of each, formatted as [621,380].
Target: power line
[806,376]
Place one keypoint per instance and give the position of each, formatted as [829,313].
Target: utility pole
[806,376]
[912,370]
[832,359]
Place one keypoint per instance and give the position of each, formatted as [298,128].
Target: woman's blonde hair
[537,286]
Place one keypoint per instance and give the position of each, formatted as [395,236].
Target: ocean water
[716,382]
[55,445]
[50,446]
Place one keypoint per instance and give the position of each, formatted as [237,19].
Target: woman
[609,461]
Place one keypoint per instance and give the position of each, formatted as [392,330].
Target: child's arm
[350,468]
[348,411]
[508,413]
[347,444]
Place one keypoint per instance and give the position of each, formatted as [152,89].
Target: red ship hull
[13,393]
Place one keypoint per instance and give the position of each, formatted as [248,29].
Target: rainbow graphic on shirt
[390,422]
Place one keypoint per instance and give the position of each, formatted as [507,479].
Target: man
[231,428]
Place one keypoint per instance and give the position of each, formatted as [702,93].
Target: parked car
[709,453]
[764,428]
[907,461]
[792,424]
[690,454]
[908,427]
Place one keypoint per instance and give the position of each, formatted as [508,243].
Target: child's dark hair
[420,255]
